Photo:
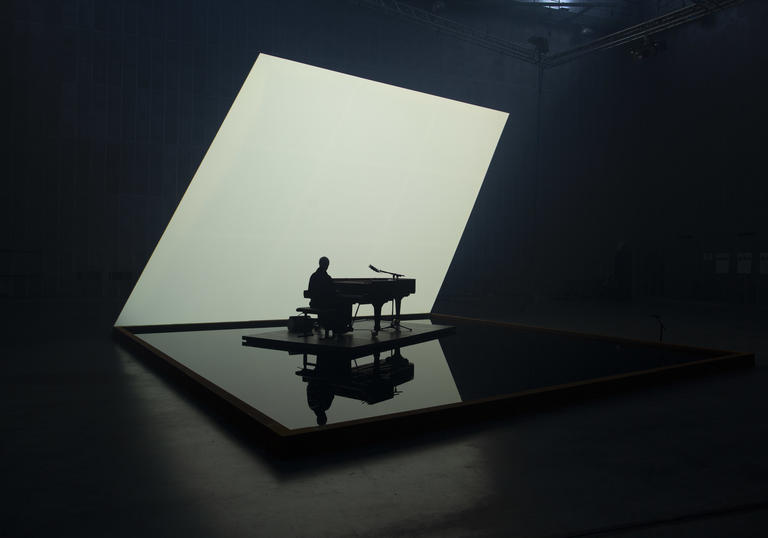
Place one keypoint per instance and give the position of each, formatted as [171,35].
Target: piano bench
[303,324]
[306,310]
[327,319]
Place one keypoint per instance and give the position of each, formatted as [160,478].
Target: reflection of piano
[376,292]
[371,383]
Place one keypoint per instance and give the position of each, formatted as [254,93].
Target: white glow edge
[307,163]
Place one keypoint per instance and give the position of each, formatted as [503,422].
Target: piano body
[375,292]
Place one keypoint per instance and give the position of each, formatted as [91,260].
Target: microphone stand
[395,323]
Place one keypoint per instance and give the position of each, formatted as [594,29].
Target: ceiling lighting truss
[529,54]
[519,51]
[669,20]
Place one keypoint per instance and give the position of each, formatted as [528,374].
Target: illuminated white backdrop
[307,163]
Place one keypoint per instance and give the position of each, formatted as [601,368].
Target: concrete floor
[96,442]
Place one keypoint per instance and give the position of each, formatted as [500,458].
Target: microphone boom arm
[394,275]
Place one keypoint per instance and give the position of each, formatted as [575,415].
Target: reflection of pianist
[319,398]
[323,296]
[371,382]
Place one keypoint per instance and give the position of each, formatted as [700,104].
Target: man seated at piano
[337,312]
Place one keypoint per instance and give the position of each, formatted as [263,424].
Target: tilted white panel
[307,163]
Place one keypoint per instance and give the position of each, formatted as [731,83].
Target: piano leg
[376,318]
[347,317]
[396,321]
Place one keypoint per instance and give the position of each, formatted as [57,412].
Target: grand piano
[375,292]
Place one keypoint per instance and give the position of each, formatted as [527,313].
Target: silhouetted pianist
[339,294]
[337,311]
[321,286]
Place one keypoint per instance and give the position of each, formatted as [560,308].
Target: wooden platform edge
[406,421]
[409,424]
[125,336]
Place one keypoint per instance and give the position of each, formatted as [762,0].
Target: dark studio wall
[662,156]
[114,104]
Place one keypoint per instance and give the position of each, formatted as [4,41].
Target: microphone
[372,267]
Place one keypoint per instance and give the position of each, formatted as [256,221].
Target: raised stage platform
[357,343]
